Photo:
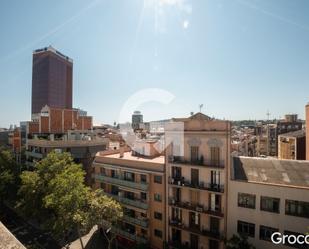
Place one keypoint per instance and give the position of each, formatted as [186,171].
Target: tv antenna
[268,115]
[201,106]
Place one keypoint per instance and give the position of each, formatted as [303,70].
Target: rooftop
[53,50]
[7,239]
[299,133]
[271,171]
[128,156]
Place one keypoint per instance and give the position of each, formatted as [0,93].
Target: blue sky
[239,58]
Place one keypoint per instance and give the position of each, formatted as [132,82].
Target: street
[28,235]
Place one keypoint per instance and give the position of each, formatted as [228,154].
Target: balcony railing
[128,235]
[181,181]
[199,162]
[34,154]
[198,230]
[122,182]
[135,203]
[195,207]
[140,222]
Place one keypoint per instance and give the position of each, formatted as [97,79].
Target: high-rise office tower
[52,75]
[137,119]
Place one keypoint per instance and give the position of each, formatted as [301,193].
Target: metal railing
[196,229]
[34,154]
[120,181]
[196,207]
[136,221]
[200,162]
[135,203]
[130,236]
[181,181]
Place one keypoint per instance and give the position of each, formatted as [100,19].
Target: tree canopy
[9,171]
[238,242]
[55,194]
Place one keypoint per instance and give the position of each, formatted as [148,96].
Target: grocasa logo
[279,239]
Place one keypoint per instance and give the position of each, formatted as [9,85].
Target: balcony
[182,182]
[135,203]
[200,162]
[197,208]
[140,222]
[34,154]
[128,235]
[197,230]
[121,182]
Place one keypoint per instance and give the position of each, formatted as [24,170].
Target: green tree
[9,171]
[238,242]
[106,213]
[35,185]
[67,198]
[55,194]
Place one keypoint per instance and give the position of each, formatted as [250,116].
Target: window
[157,215]
[114,174]
[128,176]
[114,190]
[215,156]
[296,245]
[270,204]
[158,179]
[213,244]
[144,232]
[194,153]
[297,208]
[157,197]
[246,228]
[102,185]
[158,233]
[176,214]
[102,171]
[143,196]
[266,232]
[143,178]
[194,219]
[246,200]
[129,195]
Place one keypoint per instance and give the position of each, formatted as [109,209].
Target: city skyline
[197,50]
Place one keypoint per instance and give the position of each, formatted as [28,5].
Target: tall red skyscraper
[52,76]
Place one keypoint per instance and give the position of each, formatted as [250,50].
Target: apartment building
[138,183]
[63,130]
[266,196]
[307,131]
[292,145]
[196,173]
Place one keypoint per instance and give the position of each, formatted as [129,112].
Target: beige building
[292,145]
[138,183]
[196,171]
[262,146]
[307,131]
[267,196]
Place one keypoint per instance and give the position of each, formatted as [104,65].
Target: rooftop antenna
[268,115]
[201,106]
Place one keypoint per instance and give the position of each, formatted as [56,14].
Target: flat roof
[53,50]
[294,173]
[299,133]
[128,156]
